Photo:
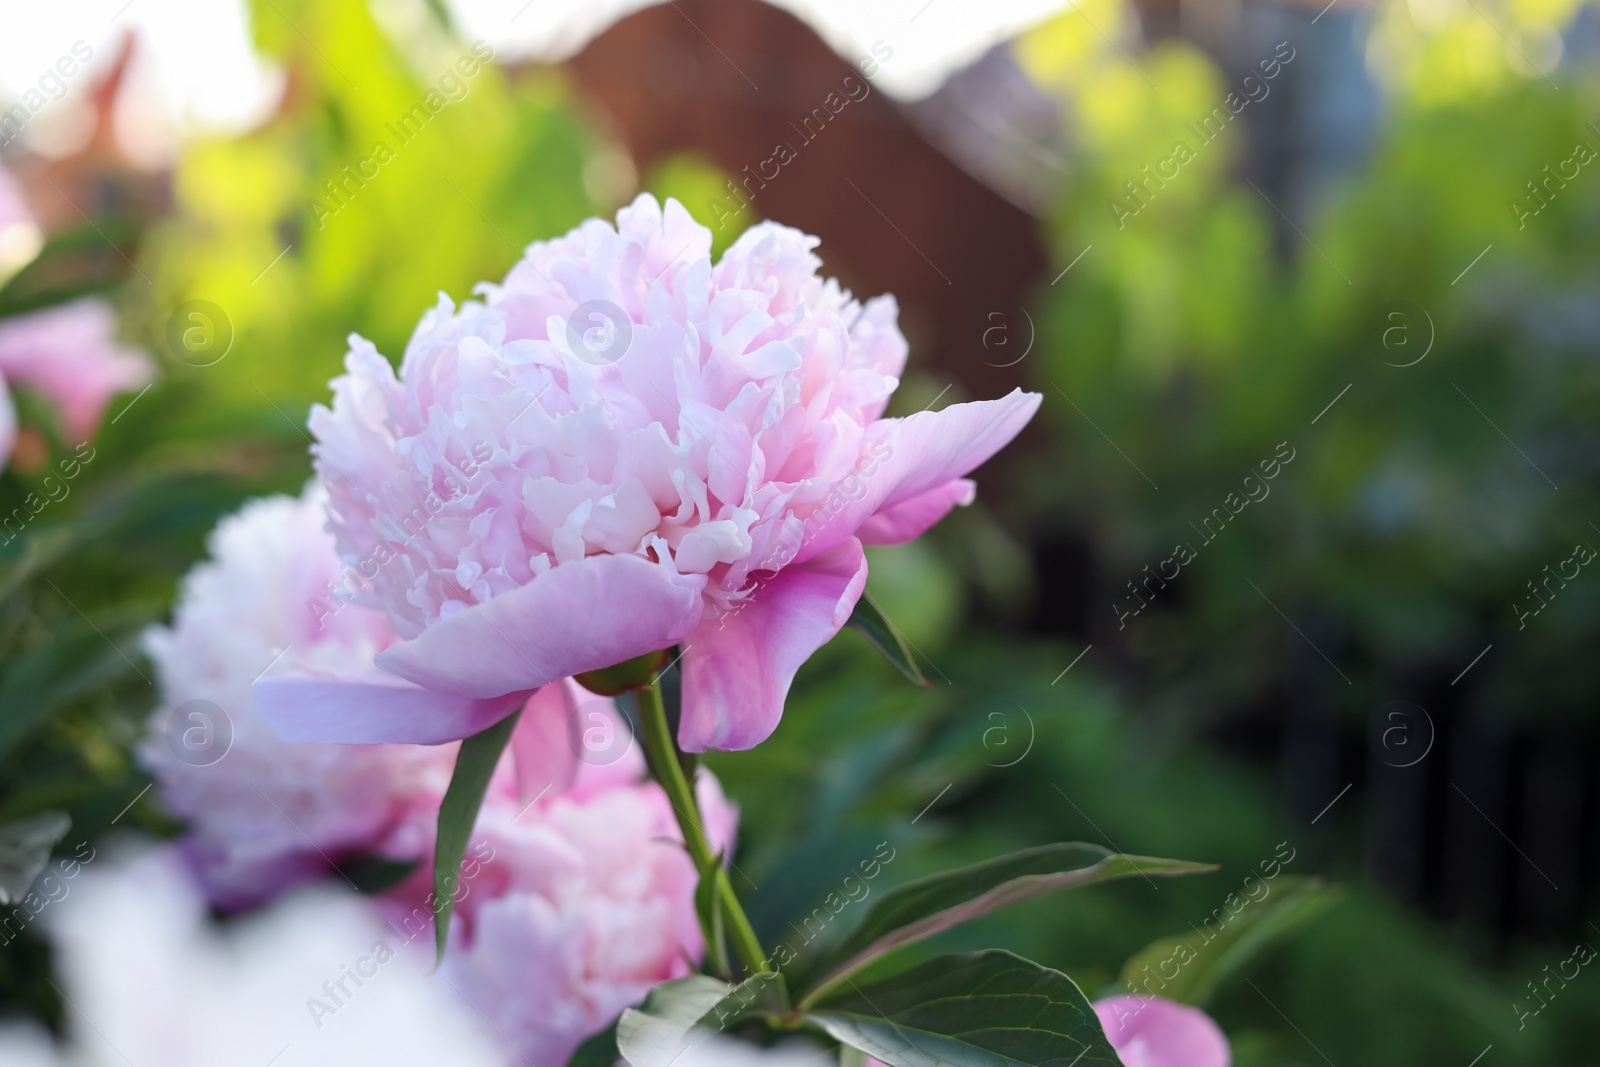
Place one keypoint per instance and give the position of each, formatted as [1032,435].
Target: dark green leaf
[598,1051]
[1189,968]
[871,621]
[925,907]
[986,1009]
[652,1034]
[36,549]
[760,994]
[475,764]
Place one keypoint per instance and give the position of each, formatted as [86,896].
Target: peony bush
[623,479]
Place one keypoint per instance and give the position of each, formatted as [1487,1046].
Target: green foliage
[1239,937]
[987,1009]
[1409,526]
[930,905]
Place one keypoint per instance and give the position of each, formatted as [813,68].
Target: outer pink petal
[1152,1032]
[365,711]
[576,617]
[542,742]
[910,519]
[737,666]
[906,458]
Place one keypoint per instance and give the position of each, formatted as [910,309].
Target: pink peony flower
[70,354]
[264,814]
[1152,1032]
[580,906]
[700,465]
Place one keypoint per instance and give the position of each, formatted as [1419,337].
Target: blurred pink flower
[264,814]
[579,907]
[1152,1032]
[70,354]
[622,448]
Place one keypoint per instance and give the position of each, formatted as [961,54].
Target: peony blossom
[317,978]
[622,448]
[1152,1032]
[580,908]
[264,814]
[69,353]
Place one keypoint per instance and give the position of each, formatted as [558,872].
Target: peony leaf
[850,1056]
[923,908]
[1226,941]
[25,846]
[475,764]
[760,994]
[679,1015]
[984,1009]
[653,1034]
[871,621]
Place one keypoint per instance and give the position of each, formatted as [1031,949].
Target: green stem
[662,751]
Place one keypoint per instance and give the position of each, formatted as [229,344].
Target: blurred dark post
[732,79]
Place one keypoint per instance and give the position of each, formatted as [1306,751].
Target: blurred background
[1313,297]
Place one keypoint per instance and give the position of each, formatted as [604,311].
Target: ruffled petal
[737,666]
[906,458]
[579,616]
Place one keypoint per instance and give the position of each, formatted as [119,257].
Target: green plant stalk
[662,751]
